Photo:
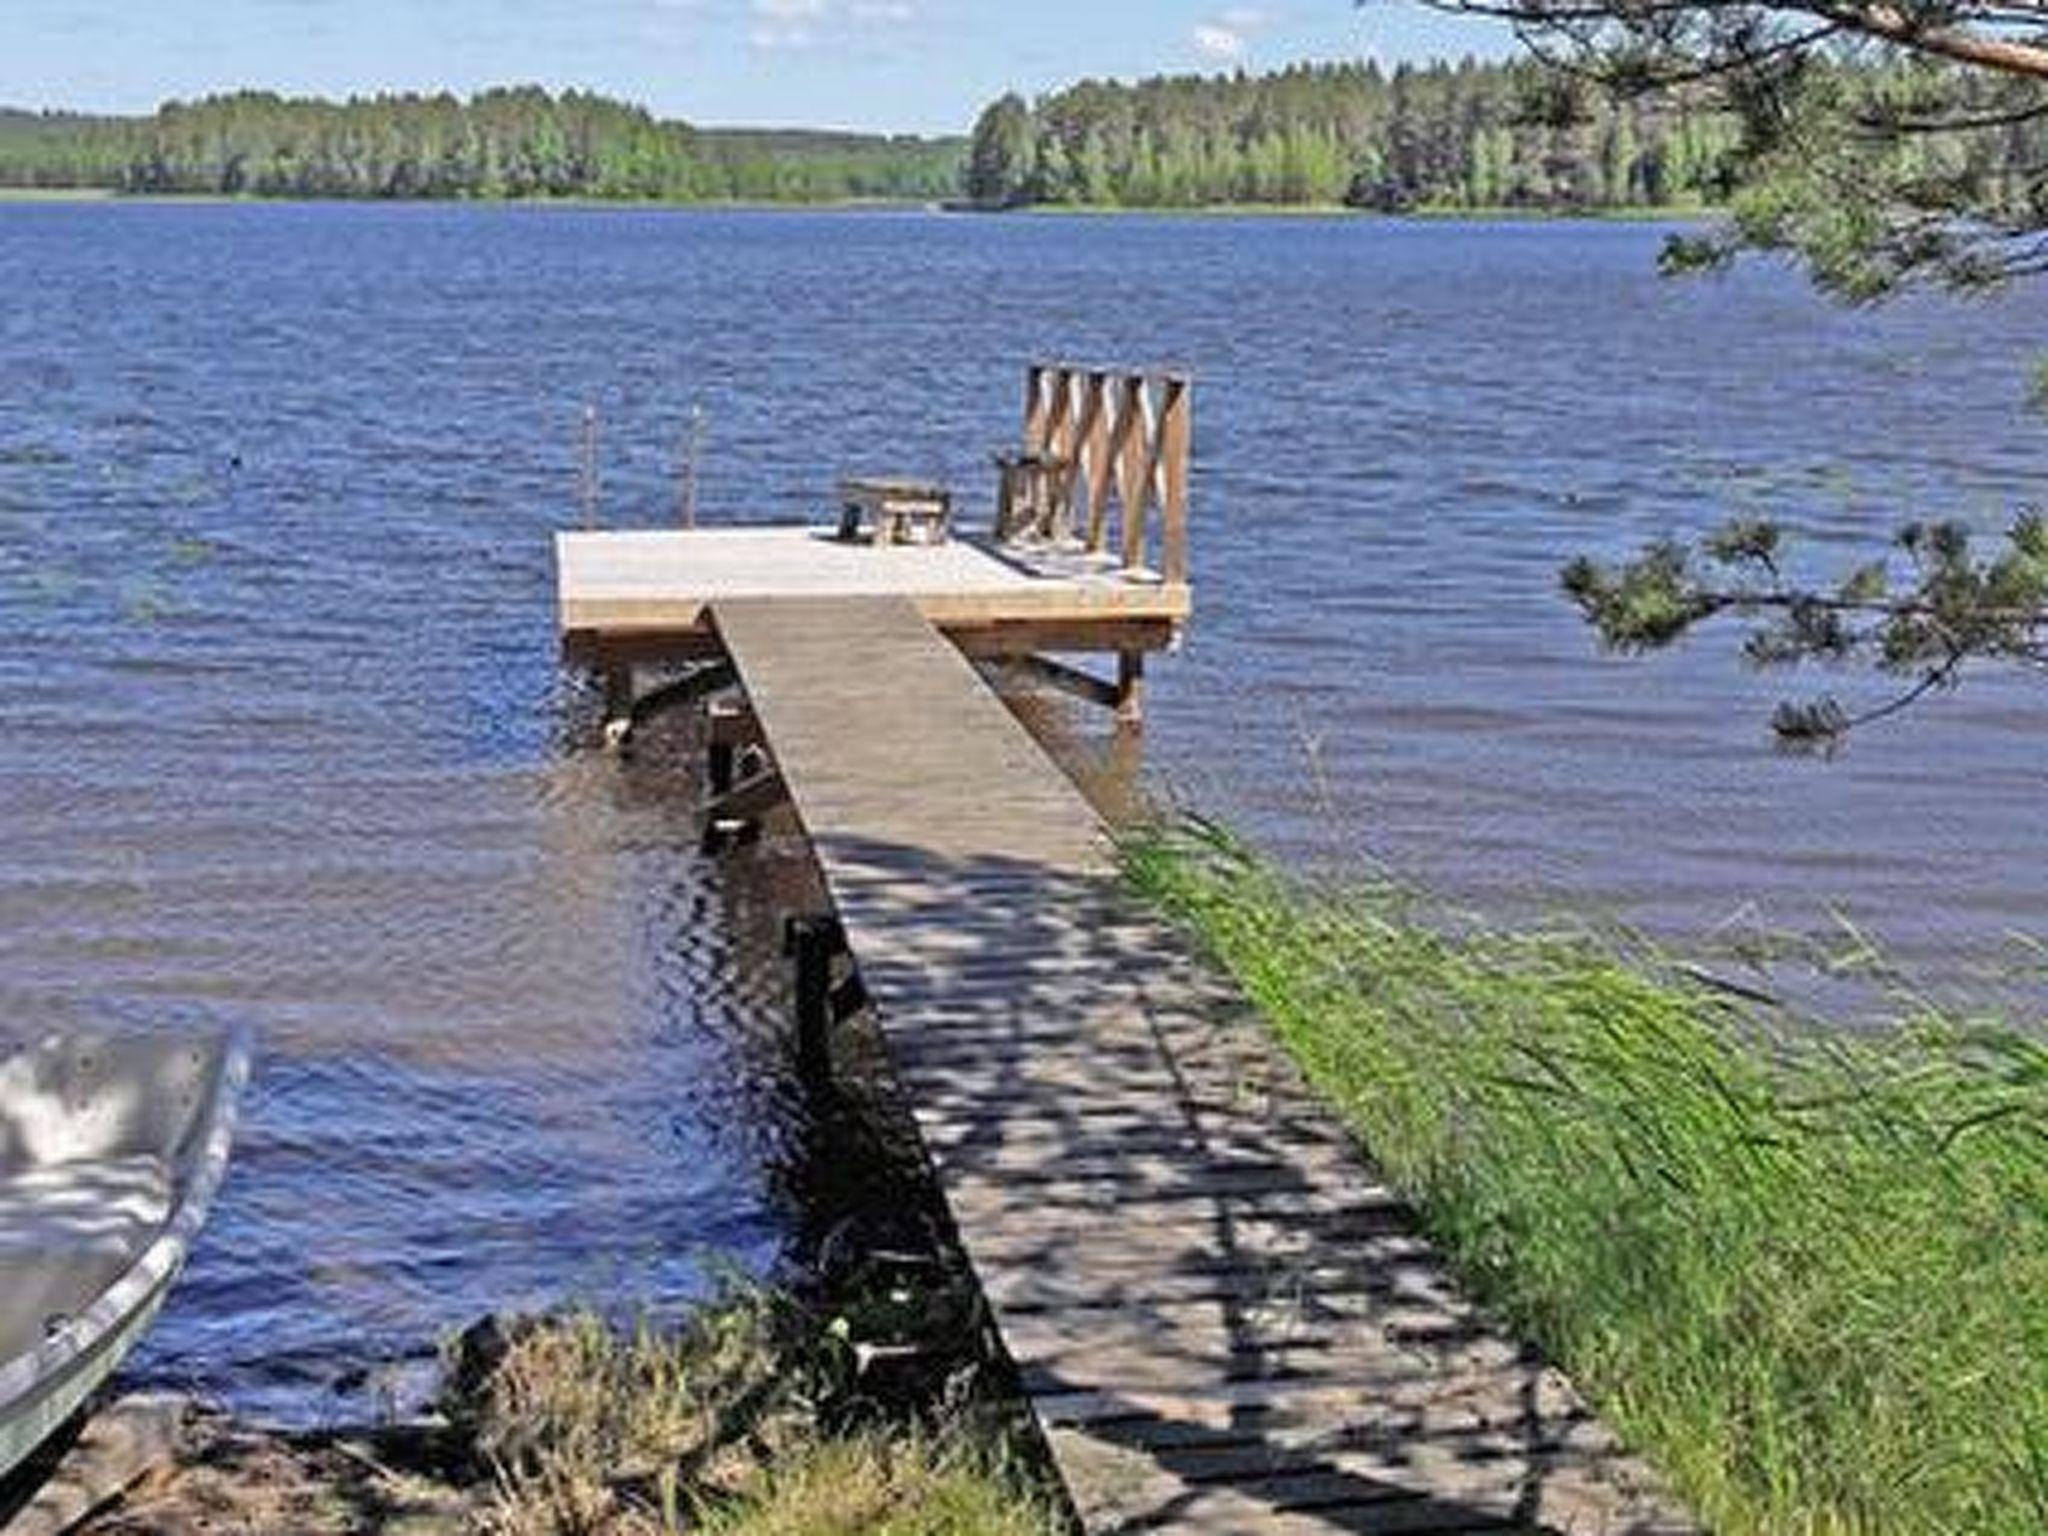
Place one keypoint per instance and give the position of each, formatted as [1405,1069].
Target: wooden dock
[1221,1320]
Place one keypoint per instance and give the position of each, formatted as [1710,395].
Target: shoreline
[858,1375]
[1674,214]
[105,195]
[748,1418]
[1706,1144]
[1444,214]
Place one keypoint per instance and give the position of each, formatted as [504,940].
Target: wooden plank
[1183,1171]
[1088,426]
[748,801]
[1368,1269]
[980,794]
[1059,445]
[1027,1146]
[1266,1189]
[1372,1400]
[1132,488]
[1034,408]
[1068,679]
[1176,449]
[638,581]
[1387,1491]
[1100,467]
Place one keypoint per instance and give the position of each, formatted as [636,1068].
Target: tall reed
[1803,1271]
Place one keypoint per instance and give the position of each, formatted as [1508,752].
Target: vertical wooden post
[1176,440]
[1059,444]
[1133,455]
[618,689]
[1130,688]
[1034,408]
[811,942]
[1087,418]
[1006,496]
[1100,466]
[588,468]
[618,704]
[721,751]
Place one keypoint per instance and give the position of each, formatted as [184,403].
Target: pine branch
[1956,610]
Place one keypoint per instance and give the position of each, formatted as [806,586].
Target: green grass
[1804,1272]
[882,1486]
[748,1423]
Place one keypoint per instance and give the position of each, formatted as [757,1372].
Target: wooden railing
[1104,466]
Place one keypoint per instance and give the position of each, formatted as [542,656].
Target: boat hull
[112,1148]
[50,1405]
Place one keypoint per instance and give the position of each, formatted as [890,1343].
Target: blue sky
[912,65]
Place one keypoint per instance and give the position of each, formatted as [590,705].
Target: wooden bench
[894,511]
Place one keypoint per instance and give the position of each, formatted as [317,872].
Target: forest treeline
[509,143]
[1446,135]
[1465,135]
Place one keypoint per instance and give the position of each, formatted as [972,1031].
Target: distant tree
[1618,159]
[1092,180]
[1000,158]
[1052,177]
[1883,142]
[519,142]
[1440,134]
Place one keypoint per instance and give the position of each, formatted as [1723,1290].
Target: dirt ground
[221,1477]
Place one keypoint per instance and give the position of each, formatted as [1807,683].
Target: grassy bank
[1806,1274]
[751,1422]
[755,1420]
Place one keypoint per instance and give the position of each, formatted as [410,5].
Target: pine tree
[1000,154]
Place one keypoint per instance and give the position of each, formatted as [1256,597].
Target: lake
[282,735]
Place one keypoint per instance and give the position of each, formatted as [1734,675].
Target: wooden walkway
[1221,1319]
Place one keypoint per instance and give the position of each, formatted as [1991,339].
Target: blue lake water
[282,736]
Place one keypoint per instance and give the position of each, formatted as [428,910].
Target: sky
[914,66]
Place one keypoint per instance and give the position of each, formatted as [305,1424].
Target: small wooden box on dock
[889,511]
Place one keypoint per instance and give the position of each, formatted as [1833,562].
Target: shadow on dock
[1220,1316]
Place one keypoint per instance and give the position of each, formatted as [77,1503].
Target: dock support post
[618,704]
[724,720]
[1130,687]
[814,943]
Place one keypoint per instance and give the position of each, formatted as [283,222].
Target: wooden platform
[643,594]
[1222,1320]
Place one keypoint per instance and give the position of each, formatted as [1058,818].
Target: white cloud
[1226,37]
[1220,43]
[785,24]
